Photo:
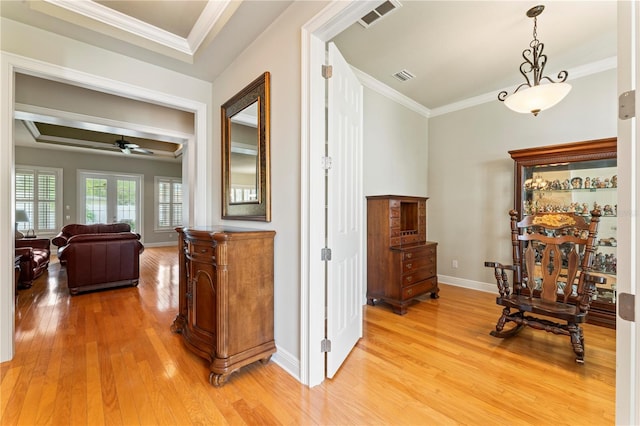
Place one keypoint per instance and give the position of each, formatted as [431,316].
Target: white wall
[53,95]
[277,50]
[395,147]
[471,172]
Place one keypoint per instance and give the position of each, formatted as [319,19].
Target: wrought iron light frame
[534,62]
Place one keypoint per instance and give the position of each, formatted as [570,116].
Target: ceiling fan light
[537,98]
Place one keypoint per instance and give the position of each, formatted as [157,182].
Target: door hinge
[627,105]
[327,71]
[325,345]
[326,163]
[325,254]
[627,306]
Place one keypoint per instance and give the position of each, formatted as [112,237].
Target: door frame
[194,165]
[332,20]
[628,332]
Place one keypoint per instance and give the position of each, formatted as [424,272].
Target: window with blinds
[168,203]
[38,193]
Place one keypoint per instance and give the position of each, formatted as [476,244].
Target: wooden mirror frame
[259,210]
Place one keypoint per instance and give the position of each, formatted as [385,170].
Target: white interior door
[627,330]
[344,211]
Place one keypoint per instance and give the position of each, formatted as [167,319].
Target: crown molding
[575,73]
[206,21]
[131,26]
[390,93]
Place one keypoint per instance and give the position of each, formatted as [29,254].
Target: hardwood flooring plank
[109,357]
[50,389]
[95,404]
[124,391]
[7,390]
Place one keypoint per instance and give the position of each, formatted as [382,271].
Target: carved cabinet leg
[266,360]
[218,380]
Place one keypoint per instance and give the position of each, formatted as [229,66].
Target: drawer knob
[203,250]
[410,278]
[409,255]
[410,291]
[409,265]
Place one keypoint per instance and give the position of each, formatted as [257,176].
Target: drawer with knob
[201,252]
[419,275]
[419,288]
[424,251]
[418,263]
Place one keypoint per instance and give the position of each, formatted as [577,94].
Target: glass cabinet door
[576,178]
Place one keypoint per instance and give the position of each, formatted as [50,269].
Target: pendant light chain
[531,98]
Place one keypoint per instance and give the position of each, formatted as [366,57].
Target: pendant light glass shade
[537,98]
[538,92]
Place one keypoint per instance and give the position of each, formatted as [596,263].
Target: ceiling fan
[128,147]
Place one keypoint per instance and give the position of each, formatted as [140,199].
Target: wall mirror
[246,192]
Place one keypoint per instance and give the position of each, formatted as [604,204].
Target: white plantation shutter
[168,203]
[39,194]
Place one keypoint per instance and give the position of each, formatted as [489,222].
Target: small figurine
[587,182]
[585,209]
[614,181]
[528,184]
[576,183]
[608,210]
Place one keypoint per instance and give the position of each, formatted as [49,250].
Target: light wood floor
[109,358]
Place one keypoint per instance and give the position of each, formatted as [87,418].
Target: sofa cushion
[72,229]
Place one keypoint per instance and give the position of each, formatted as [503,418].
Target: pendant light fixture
[538,92]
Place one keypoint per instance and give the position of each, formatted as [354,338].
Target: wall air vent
[403,75]
[376,14]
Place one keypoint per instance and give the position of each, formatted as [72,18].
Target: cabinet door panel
[203,301]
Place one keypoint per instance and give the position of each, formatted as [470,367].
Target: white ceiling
[456,49]
[463,49]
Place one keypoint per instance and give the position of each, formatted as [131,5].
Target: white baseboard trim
[162,244]
[288,362]
[470,284]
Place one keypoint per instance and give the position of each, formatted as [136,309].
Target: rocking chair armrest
[501,276]
[594,279]
[499,265]
[588,288]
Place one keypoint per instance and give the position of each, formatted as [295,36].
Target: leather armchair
[100,261]
[34,255]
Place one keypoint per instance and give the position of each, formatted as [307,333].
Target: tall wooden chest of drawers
[401,263]
[226,297]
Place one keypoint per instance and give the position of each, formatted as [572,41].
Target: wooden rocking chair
[552,258]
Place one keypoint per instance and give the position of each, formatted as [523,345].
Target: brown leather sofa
[34,255]
[103,259]
[72,229]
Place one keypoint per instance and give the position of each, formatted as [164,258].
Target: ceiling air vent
[377,13]
[403,75]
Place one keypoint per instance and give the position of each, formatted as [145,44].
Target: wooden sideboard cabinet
[401,263]
[226,297]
